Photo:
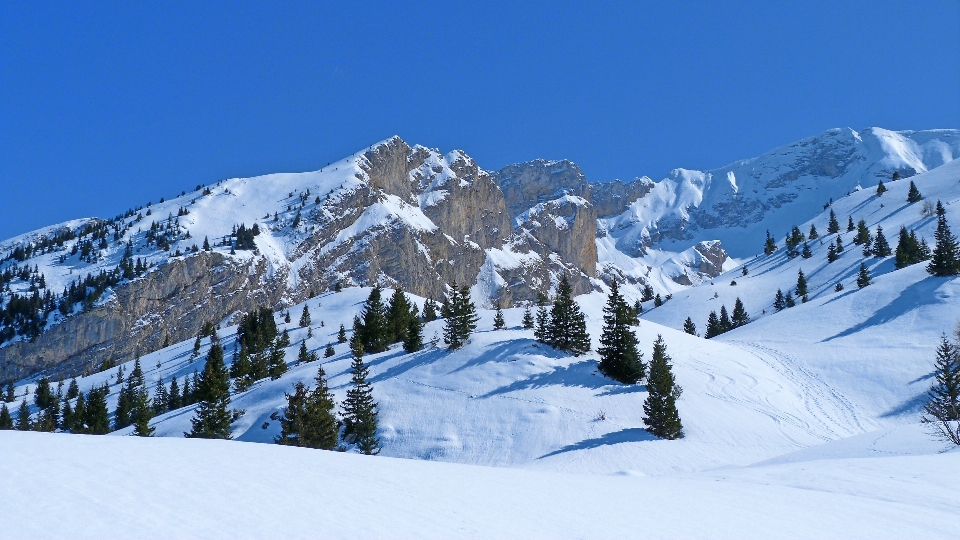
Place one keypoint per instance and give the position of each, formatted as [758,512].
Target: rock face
[169,303]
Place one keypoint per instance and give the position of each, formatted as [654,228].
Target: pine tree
[806,253]
[66,422]
[689,327]
[328,352]
[657,301]
[740,316]
[801,284]
[543,317]
[770,245]
[6,421]
[160,397]
[789,299]
[305,317]
[833,226]
[399,313]
[23,417]
[303,355]
[914,194]
[619,358]
[880,246]
[713,326]
[277,362]
[850,224]
[206,244]
[946,253]
[174,401]
[863,276]
[308,420]
[372,326]
[944,394]
[196,347]
[832,253]
[10,397]
[725,324]
[141,412]
[213,416]
[413,341]
[429,311]
[839,244]
[637,310]
[96,416]
[527,318]
[498,322]
[881,189]
[863,234]
[360,411]
[462,319]
[813,235]
[660,408]
[342,335]
[567,329]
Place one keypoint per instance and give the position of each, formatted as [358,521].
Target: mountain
[93,291]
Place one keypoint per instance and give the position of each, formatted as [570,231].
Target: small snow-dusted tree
[689,327]
[660,408]
[23,417]
[863,276]
[372,325]
[413,341]
[527,318]
[880,246]
[6,421]
[342,335]
[724,324]
[462,318]
[942,412]
[946,253]
[914,194]
[833,226]
[881,189]
[801,285]
[739,317]
[305,317]
[813,234]
[498,322]
[770,245]
[713,326]
[329,351]
[779,302]
[619,358]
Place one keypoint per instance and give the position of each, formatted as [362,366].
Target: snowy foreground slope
[76,486]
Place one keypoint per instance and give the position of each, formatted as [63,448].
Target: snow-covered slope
[76,486]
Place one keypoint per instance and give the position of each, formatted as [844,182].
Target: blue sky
[107,106]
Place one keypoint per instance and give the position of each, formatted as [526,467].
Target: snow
[176,488]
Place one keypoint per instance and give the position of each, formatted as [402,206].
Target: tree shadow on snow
[919,294]
[582,374]
[911,407]
[625,435]
[508,352]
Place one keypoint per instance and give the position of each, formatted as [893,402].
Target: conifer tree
[23,417]
[946,252]
[839,244]
[462,319]
[305,317]
[498,322]
[567,329]
[740,316]
[660,408]
[73,390]
[96,416]
[429,311]
[360,411]
[689,327]
[173,396]
[141,412]
[213,416]
[6,421]
[833,226]
[206,244]
[66,421]
[196,347]
[413,341]
[770,245]
[832,253]
[342,335]
[806,253]
[908,250]
[160,397]
[638,309]
[850,224]
[619,358]
[10,397]
[713,326]
[813,234]
[527,318]
[944,394]
[308,420]
[914,194]
[277,362]
[657,301]
[863,276]
[724,323]
[543,317]
[801,285]
[880,246]
[863,234]
[42,396]
[372,326]
[881,189]
[789,299]
[78,421]
[303,355]
[399,313]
